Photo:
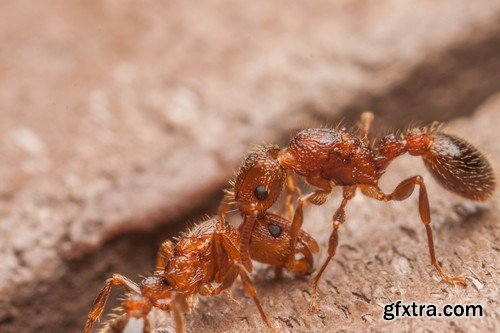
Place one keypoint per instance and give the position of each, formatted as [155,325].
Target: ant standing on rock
[326,158]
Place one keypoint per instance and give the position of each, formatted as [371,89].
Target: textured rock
[383,257]
[125,117]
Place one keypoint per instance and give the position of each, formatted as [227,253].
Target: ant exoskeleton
[205,261]
[326,158]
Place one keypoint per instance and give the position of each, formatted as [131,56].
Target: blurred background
[122,120]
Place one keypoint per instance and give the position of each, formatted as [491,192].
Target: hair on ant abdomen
[459,167]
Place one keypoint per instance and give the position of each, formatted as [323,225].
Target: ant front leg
[291,189]
[245,236]
[338,220]
[317,197]
[227,281]
[100,301]
[402,192]
[178,307]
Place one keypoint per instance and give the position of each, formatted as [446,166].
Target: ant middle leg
[338,219]
[317,197]
[100,301]
[402,192]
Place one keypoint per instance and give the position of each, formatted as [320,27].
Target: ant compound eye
[261,193]
[274,230]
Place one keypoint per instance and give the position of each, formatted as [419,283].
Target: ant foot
[455,280]
[313,304]
[313,307]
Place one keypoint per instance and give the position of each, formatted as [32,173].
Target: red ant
[205,261]
[326,158]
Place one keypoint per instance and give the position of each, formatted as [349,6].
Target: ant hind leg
[402,192]
[338,219]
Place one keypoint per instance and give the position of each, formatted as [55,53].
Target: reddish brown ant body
[205,261]
[326,158]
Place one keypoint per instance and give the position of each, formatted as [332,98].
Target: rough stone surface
[121,118]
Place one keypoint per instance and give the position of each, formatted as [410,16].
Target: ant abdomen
[459,166]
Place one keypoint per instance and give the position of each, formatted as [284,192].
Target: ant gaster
[326,158]
[205,261]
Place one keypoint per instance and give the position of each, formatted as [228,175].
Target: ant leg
[291,189]
[245,236]
[317,197]
[180,323]
[230,297]
[227,280]
[100,301]
[164,254]
[250,289]
[238,269]
[227,272]
[338,220]
[402,192]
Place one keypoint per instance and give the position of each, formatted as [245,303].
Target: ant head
[260,180]
[155,287]
[271,244]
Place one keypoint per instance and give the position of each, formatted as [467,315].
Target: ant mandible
[326,158]
[205,261]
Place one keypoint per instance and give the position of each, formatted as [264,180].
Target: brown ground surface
[120,121]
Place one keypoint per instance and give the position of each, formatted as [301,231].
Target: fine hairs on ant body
[326,158]
[205,261]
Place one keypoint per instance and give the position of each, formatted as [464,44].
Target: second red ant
[205,261]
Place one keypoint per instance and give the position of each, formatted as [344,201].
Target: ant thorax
[336,156]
